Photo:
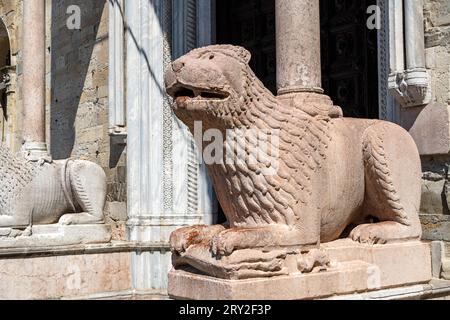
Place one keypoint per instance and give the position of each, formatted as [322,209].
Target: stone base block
[430,127]
[64,273]
[446,269]
[55,235]
[356,268]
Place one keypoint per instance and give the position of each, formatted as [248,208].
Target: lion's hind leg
[393,185]
[88,184]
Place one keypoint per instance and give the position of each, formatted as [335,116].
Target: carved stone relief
[336,176]
[46,192]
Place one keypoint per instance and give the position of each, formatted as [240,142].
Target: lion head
[211,85]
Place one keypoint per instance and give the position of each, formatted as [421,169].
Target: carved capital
[411,88]
[4,80]
[7,82]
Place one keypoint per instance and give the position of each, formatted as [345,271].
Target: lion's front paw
[79,219]
[225,243]
[182,239]
[369,234]
[67,219]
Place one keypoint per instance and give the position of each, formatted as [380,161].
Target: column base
[313,103]
[291,90]
[36,151]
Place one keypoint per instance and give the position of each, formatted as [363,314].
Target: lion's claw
[222,244]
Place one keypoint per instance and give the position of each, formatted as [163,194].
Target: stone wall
[436,180]
[77,93]
[436,198]
[437,38]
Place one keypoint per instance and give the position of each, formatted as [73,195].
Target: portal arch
[7,77]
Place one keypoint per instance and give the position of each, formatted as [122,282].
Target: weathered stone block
[432,196]
[437,255]
[117,210]
[64,274]
[435,227]
[430,128]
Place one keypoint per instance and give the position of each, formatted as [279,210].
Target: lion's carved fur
[305,137]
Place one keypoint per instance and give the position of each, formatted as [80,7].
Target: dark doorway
[5,62]
[250,24]
[349,48]
[349,57]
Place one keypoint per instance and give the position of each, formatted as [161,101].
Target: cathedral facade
[86,82]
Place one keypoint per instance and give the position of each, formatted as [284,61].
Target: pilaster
[167,187]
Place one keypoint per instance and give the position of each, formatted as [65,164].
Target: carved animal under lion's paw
[329,172]
[69,192]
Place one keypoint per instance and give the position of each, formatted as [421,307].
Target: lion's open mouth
[184,93]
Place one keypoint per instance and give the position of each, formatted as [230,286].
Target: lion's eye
[211,57]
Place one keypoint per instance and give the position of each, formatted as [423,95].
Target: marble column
[415,38]
[298,46]
[34,78]
[409,80]
[416,77]
[396,36]
[116,93]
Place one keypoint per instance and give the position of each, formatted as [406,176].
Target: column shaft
[396,36]
[34,76]
[414,31]
[298,46]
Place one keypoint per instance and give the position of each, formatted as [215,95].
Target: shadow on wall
[71,53]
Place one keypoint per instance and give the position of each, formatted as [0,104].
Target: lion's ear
[244,54]
[240,52]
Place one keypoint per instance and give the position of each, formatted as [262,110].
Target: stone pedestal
[54,235]
[355,268]
[86,271]
[69,272]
